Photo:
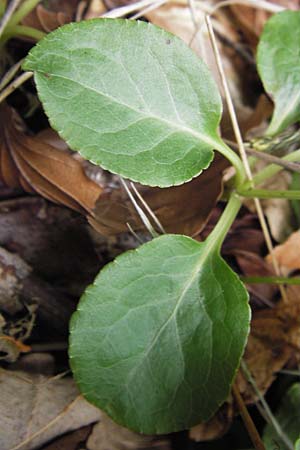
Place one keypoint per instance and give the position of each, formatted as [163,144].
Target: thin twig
[148,209]
[15,85]
[8,14]
[139,210]
[243,154]
[49,425]
[257,4]
[80,10]
[272,419]
[149,8]
[249,424]
[128,9]
[8,76]
[294,167]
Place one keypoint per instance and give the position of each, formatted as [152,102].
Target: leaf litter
[33,164]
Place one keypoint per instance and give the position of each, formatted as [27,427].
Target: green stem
[229,214]
[235,160]
[273,169]
[266,407]
[270,280]
[265,193]
[22,12]
[2,7]
[22,30]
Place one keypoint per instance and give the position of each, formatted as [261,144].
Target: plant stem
[9,75]
[7,15]
[249,424]
[22,12]
[235,160]
[2,7]
[229,214]
[270,280]
[265,193]
[292,166]
[14,85]
[22,30]
[271,170]
[267,410]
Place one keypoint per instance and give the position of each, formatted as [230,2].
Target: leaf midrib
[208,248]
[199,136]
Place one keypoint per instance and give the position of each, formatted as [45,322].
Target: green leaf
[158,337]
[297,445]
[278,60]
[288,416]
[130,97]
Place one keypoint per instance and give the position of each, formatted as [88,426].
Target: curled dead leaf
[56,14]
[107,435]
[288,254]
[251,20]
[33,164]
[274,340]
[40,401]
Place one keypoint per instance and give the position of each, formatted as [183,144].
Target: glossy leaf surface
[130,97]
[158,337]
[278,61]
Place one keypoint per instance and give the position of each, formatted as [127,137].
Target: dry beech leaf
[36,166]
[72,441]
[181,209]
[273,341]
[107,435]
[251,265]
[215,427]
[288,254]
[55,15]
[39,400]
[252,20]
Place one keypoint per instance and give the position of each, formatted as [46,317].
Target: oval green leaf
[278,60]
[129,97]
[157,339]
[288,417]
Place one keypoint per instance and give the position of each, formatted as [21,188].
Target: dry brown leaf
[39,401]
[72,441]
[273,341]
[253,265]
[288,254]
[107,435]
[48,18]
[95,9]
[215,427]
[252,20]
[36,166]
[181,209]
